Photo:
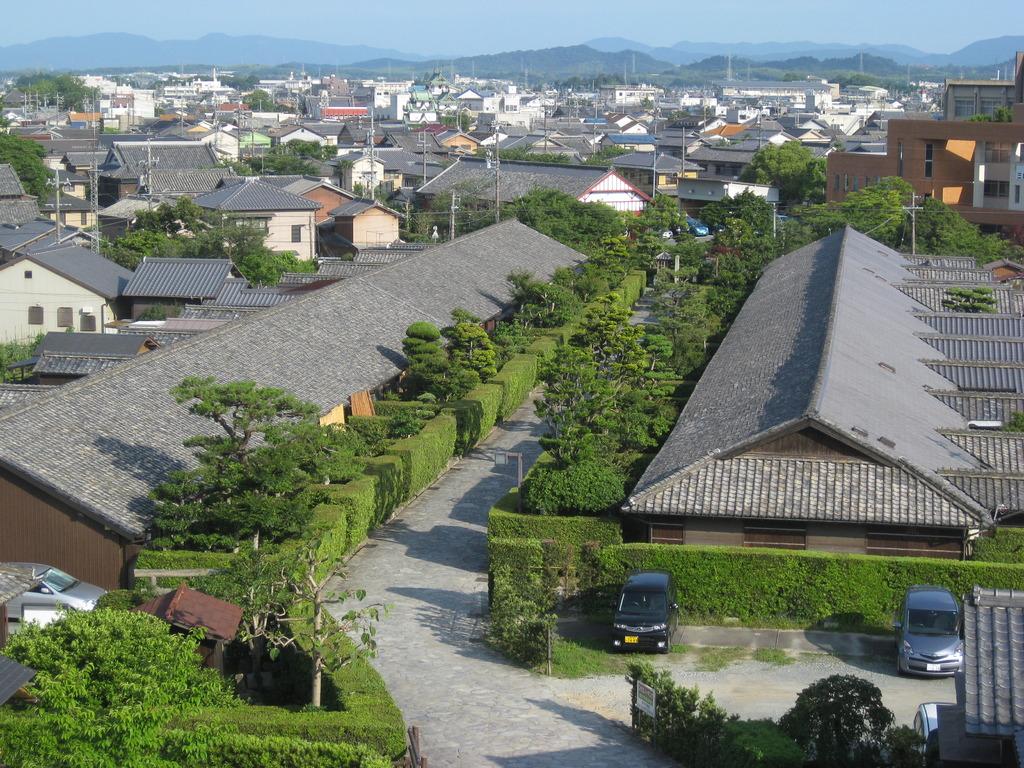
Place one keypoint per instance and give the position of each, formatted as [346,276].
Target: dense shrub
[1005,545]
[516,555]
[476,415]
[575,531]
[769,587]
[759,744]
[426,455]
[181,559]
[589,487]
[522,615]
[206,748]
[516,378]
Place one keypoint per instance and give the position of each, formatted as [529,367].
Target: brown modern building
[976,167]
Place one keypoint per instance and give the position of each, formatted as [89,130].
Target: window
[65,317]
[997,152]
[1016,194]
[82,218]
[88,322]
[35,315]
[990,105]
[963,107]
[296,233]
[854,183]
[899,159]
[666,534]
[28,274]
[846,182]
[997,189]
[775,535]
[836,186]
[929,156]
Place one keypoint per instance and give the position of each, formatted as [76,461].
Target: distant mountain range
[608,55]
[117,50]
[978,54]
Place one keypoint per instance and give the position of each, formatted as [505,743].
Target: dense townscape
[473,416]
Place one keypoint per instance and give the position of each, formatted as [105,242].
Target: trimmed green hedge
[1005,545]
[543,346]
[392,407]
[426,455]
[632,288]
[516,378]
[225,749]
[502,524]
[476,415]
[519,555]
[769,587]
[180,559]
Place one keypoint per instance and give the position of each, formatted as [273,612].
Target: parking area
[756,689]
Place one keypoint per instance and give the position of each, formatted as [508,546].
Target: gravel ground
[752,689]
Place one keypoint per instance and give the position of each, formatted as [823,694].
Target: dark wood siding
[915,542]
[807,443]
[665,533]
[37,528]
[775,535]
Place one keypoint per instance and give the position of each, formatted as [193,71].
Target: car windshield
[923,621]
[58,581]
[643,602]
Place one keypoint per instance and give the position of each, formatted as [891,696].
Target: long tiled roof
[949,262]
[194,182]
[128,159]
[254,195]
[984,377]
[18,394]
[102,443]
[975,325]
[472,176]
[10,184]
[974,349]
[82,266]
[1003,451]
[14,581]
[981,406]
[932,295]
[993,690]
[950,274]
[824,334]
[18,211]
[178,278]
[236,292]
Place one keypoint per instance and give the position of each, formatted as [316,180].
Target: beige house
[287,219]
[66,289]
[366,223]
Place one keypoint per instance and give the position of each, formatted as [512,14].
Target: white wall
[279,233]
[48,290]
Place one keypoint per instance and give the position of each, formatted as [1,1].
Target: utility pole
[775,221]
[451,216]
[94,201]
[497,177]
[423,152]
[56,209]
[912,209]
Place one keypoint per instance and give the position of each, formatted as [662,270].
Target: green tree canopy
[943,231]
[107,683]
[876,210]
[746,206]
[26,157]
[972,300]
[792,168]
[583,226]
[72,91]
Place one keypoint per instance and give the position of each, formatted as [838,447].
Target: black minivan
[646,613]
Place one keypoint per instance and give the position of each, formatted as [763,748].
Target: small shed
[187,609]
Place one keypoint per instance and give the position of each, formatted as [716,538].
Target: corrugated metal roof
[178,278]
[981,377]
[993,662]
[978,349]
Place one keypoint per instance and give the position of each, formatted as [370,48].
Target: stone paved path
[473,707]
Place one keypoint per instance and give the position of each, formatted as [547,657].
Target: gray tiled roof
[471,176]
[10,184]
[979,324]
[993,662]
[80,265]
[73,365]
[951,274]
[236,292]
[1003,451]
[981,406]
[950,262]
[344,269]
[178,278]
[127,159]
[18,211]
[932,295]
[387,255]
[13,582]
[254,195]
[977,349]
[721,155]
[101,444]
[822,336]
[17,394]
[1003,493]
[196,181]
[802,489]
[89,344]
[985,377]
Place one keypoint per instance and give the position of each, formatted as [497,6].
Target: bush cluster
[589,487]
[207,748]
[1005,545]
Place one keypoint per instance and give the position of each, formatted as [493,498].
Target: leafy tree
[605,155]
[972,300]
[254,473]
[1015,423]
[685,318]
[541,305]
[107,683]
[13,351]
[589,487]
[876,210]
[26,157]
[1000,115]
[132,247]
[583,226]
[471,349]
[71,90]
[260,101]
[430,371]
[746,206]
[792,168]
[839,720]
[245,247]
[904,746]
[942,230]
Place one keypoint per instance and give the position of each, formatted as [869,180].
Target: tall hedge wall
[771,587]
[516,378]
[574,530]
[426,455]
[475,414]
[1005,545]
[179,559]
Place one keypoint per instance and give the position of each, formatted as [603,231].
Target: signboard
[645,698]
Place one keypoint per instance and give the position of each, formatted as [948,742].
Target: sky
[472,27]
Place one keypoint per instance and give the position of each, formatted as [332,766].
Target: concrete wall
[48,290]
[279,233]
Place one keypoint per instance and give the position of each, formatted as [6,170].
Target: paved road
[474,708]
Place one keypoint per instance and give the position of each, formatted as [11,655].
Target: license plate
[933,667]
[628,639]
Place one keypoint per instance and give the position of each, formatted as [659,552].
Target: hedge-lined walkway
[473,706]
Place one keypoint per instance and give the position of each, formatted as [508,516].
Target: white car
[55,590]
